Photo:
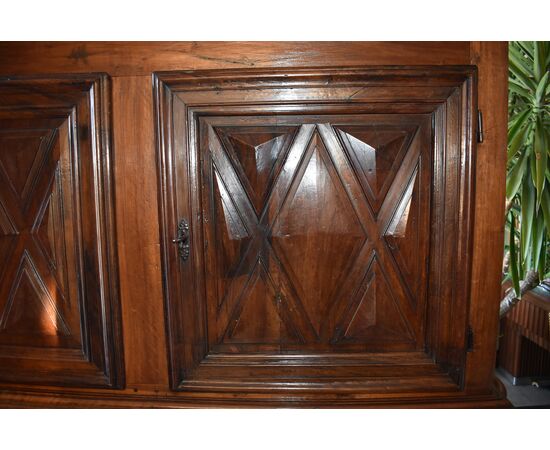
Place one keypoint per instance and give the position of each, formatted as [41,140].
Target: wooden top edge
[143,58]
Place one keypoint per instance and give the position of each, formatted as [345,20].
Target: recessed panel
[319,270]
[58,304]
[318,227]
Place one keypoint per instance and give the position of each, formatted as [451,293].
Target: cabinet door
[324,227]
[58,282]
[289,204]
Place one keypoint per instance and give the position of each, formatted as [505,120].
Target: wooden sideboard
[251,224]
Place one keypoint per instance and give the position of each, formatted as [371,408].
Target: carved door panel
[58,313]
[325,210]
[317,232]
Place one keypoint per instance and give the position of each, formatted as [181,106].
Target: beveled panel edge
[205,79]
[95,89]
[167,90]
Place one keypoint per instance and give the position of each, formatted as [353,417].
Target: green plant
[528,169]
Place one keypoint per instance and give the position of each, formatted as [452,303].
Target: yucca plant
[527,260]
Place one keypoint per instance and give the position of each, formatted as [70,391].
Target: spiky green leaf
[539,57]
[528,196]
[517,121]
[521,72]
[513,180]
[517,142]
[513,256]
[519,90]
[541,91]
[526,46]
[538,237]
[541,156]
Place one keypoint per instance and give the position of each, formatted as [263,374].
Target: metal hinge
[479,126]
[469,339]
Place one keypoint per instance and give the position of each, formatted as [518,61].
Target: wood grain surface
[147,329]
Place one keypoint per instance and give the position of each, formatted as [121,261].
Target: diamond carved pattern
[377,153]
[21,164]
[327,238]
[380,150]
[231,234]
[316,261]
[256,154]
[259,318]
[30,308]
[35,293]
[7,237]
[59,312]
[403,239]
[377,315]
[45,230]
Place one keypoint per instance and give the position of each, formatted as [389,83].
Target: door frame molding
[446,92]
[82,104]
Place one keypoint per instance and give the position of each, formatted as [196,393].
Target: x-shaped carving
[260,250]
[376,227]
[26,214]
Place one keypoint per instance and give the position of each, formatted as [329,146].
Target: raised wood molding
[25,397]
[130,65]
[441,97]
[59,311]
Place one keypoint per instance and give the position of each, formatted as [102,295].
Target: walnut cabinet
[250,224]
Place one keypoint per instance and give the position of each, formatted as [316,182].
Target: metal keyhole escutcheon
[182,239]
